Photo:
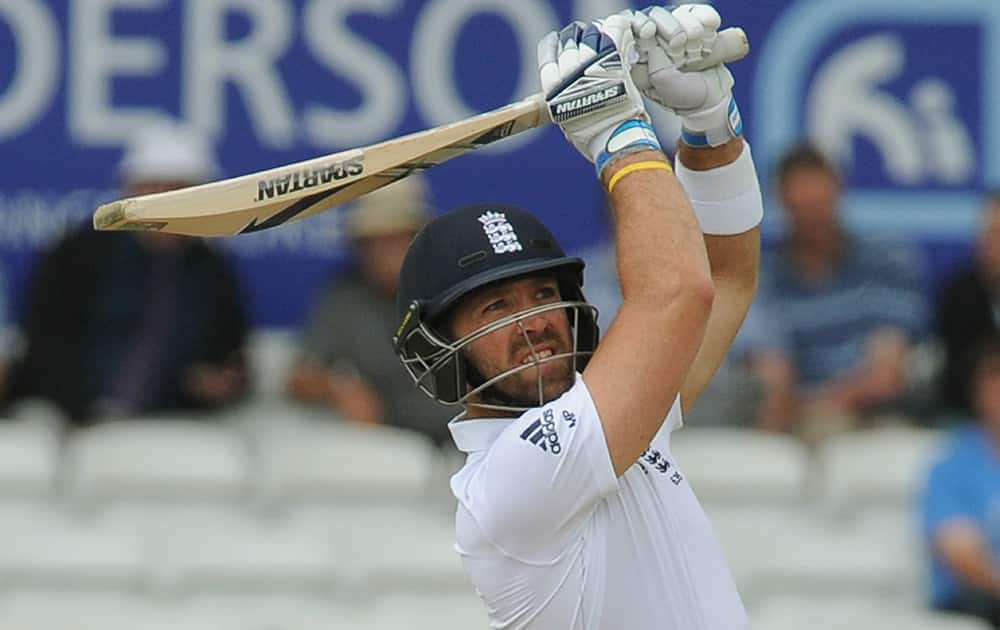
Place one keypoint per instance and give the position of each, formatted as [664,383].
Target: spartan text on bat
[307,178]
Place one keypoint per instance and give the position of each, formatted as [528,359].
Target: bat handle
[731,45]
[537,101]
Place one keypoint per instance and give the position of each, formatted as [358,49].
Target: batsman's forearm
[707,158]
[660,250]
[735,262]
[734,259]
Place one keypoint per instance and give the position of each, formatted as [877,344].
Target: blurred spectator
[346,358]
[847,309]
[968,311]
[125,323]
[961,504]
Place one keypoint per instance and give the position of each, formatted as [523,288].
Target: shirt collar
[477,435]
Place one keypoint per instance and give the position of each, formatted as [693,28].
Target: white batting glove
[585,74]
[672,45]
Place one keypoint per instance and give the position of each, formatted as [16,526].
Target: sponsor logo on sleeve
[542,433]
[570,418]
[654,459]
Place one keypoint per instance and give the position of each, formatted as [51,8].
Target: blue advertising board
[901,93]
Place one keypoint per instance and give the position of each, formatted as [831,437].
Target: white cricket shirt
[552,540]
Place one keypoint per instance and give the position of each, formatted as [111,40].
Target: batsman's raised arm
[714,165]
[734,258]
[638,369]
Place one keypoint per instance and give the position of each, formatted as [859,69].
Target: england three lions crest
[500,232]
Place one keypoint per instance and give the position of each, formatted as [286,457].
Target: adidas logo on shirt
[542,433]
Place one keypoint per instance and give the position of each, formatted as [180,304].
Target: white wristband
[726,200]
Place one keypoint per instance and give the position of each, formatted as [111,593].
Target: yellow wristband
[649,165]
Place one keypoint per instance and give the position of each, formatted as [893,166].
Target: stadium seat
[806,556]
[741,465]
[872,480]
[880,469]
[262,611]
[381,548]
[55,610]
[29,457]
[461,610]
[37,411]
[157,459]
[747,530]
[245,557]
[897,533]
[319,461]
[833,613]
[49,548]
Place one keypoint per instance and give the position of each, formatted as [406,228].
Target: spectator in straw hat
[124,324]
[345,360]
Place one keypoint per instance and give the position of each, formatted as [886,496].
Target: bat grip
[538,101]
[730,45]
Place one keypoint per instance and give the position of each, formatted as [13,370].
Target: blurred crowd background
[217,434]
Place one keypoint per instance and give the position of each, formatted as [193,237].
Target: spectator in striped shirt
[845,310]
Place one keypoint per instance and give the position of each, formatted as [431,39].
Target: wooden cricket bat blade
[267,199]
[271,198]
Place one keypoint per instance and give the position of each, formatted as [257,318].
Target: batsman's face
[526,342]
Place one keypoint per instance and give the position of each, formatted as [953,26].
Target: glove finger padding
[668,29]
[728,45]
[585,72]
[704,14]
[680,68]
[685,92]
[687,33]
[569,51]
[548,65]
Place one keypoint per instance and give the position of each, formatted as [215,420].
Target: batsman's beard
[531,394]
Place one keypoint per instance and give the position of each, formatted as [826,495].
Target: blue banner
[900,92]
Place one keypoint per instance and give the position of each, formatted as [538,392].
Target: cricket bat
[270,198]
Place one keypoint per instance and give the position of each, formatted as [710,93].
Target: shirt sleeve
[534,489]
[943,499]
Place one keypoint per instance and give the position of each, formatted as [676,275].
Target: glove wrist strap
[627,138]
[713,127]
